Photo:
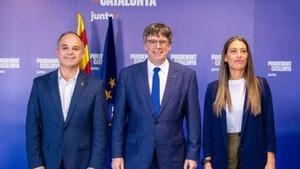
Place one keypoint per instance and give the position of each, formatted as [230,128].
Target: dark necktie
[155,91]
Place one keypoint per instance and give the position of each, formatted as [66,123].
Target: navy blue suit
[257,134]
[137,133]
[80,140]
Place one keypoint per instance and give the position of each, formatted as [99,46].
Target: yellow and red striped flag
[85,61]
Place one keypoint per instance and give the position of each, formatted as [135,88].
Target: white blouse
[234,118]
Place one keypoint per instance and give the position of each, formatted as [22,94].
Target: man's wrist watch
[206,160]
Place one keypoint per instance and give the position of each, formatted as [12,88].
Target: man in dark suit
[66,121]
[153,98]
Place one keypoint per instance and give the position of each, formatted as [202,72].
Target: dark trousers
[233,150]
[154,163]
[62,165]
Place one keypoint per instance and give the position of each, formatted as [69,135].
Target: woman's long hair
[251,81]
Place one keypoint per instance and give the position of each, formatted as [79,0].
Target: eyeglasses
[162,43]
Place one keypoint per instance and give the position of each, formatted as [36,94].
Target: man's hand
[270,161]
[270,166]
[117,163]
[190,164]
[207,165]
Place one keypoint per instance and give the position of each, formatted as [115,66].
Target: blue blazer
[137,134]
[80,140]
[257,134]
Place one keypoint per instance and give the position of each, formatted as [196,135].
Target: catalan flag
[85,62]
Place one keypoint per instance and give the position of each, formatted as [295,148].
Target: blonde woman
[239,130]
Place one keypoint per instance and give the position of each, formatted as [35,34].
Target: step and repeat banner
[29,31]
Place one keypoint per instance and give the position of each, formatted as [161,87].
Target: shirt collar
[72,79]
[163,67]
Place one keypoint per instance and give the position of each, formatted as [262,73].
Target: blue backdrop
[29,30]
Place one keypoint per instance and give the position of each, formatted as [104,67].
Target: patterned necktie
[155,91]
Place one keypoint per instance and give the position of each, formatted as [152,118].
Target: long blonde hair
[251,81]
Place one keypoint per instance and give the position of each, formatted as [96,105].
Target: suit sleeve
[193,120]
[119,118]
[99,128]
[33,129]
[207,120]
[268,117]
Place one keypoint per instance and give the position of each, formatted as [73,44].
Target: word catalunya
[127,3]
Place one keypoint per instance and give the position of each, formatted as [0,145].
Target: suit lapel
[169,89]
[144,84]
[54,92]
[245,114]
[224,127]
[79,86]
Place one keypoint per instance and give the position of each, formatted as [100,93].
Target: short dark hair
[158,29]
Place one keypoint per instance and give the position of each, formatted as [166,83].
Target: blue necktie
[155,91]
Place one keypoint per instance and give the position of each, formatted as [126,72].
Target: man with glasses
[153,98]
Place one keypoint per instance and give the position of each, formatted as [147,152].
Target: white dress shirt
[237,94]
[163,75]
[66,89]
